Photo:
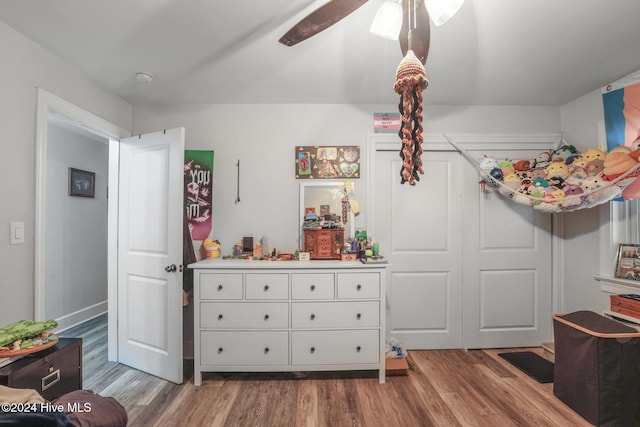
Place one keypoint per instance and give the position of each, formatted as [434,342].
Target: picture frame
[327,162]
[81,183]
[628,262]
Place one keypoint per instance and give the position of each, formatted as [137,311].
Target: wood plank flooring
[442,388]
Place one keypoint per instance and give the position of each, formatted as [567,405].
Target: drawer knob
[358,348]
[266,350]
[220,349]
[312,350]
[220,316]
[219,287]
[313,288]
[312,317]
[359,287]
[266,317]
[266,288]
[359,316]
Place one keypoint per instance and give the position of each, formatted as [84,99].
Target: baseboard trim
[73,319]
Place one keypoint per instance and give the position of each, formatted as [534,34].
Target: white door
[418,228]
[150,253]
[467,271]
[507,289]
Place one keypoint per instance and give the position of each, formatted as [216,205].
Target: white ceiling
[502,52]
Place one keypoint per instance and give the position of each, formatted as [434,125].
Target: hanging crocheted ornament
[411,80]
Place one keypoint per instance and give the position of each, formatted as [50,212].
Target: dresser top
[245,264]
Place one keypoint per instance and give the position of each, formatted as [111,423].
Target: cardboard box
[396,367]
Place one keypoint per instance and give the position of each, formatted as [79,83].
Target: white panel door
[150,253]
[418,228]
[507,269]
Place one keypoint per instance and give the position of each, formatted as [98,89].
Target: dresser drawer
[334,347]
[248,315]
[312,286]
[267,286]
[358,285]
[357,314]
[220,286]
[626,303]
[51,372]
[244,348]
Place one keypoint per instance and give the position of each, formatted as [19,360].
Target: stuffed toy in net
[562,179]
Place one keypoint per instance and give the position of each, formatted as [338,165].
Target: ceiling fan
[415,33]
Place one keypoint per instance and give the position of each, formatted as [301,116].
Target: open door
[150,253]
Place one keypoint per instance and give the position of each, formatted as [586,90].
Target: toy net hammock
[569,197]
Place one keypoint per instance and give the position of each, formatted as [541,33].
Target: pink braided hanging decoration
[411,80]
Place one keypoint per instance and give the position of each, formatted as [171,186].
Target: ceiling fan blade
[319,20]
[420,35]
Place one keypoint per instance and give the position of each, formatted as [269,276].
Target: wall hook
[238,183]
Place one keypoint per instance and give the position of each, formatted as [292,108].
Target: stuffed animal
[557,172]
[542,160]
[512,181]
[592,154]
[591,183]
[522,165]
[507,167]
[557,169]
[496,173]
[525,176]
[540,183]
[577,174]
[563,153]
[538,173]
[617,162]
[488,163]
[594,167]
[578,161]
[572,195]
[211,248]
[572,158]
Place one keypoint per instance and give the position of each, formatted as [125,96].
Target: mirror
[324,197]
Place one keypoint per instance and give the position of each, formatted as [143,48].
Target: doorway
[76,235]
[52,108]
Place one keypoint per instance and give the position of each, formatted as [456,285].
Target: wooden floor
[442,388]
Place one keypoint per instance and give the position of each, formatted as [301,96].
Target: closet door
[419,231]
[507,267]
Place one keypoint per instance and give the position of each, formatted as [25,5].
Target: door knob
[170,268]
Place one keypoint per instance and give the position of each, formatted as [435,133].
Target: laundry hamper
[597,368]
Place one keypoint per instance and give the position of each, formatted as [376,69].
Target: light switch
[17,233]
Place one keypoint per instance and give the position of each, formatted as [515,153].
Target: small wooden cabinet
[324,243]
[51,372]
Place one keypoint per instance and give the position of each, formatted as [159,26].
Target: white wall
[76,229]
[263,138]
[581,119]
[25,67]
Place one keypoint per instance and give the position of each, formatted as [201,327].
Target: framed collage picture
[628,262]
[327,162]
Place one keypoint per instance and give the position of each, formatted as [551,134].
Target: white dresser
[288,316]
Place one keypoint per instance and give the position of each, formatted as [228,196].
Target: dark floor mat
[532,364]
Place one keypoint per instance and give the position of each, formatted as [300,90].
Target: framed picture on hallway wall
[81,183]
[628,262]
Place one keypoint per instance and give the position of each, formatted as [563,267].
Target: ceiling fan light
[441,11]
[388,20]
